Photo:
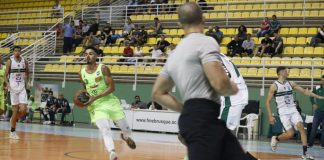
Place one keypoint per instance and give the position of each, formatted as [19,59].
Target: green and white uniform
[232,106]
[2,93]
[107,107]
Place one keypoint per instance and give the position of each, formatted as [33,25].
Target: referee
[199,75]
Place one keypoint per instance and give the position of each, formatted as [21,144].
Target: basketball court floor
[39,142]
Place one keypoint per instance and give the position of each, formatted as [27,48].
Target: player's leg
[22,103]
[104,128]
[126,132]
[285,120]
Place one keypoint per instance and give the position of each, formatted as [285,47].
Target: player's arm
[108,80]
[81,80]
[271,92]
[218,79]
[6,75]
[27,74]
[161,95]
[306,92]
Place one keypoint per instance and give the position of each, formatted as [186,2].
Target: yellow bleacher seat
[317,73]
[296,61]
[321,12]
[156,69]
[107,50]
[294,73]
[257,7]
[312,14]
[123,69]
[226,40]
[272,6]
[293,31]
[272,72]
[255,61]
[266,60]
[248,7]
[288,14]
[299,50]
[305,73]
[291,40]
[289,6]
[301,40]
[115,68]
[307,61]
[206,15]
[275,61]
[69,68]
[131,69]
[181,32]
[166,31]
[146,50]
[243,71]
[246,61]
[254,14]
[236,61]
[213,15]
[312,31]
[302,31]
[262,72]
[281,6]
[151,41]
[114,50]
[231,31]
[283,31]
[121,50]
[245,14]
[285,61]
[173,32]
[270,13]
[309,50]
[252,72]
[223,50]
[176,40]
[318,61]
[221,15]
[318,51]
[240,7]
[232,7]
[48,67]
[218,8]
[78,50]
[237,15]
[230,15]
[148,70]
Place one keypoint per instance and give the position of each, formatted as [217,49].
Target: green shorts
[106,108]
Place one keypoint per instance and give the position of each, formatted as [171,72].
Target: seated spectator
[112,38]
[277,46]
[107,29]
[85,29]
[138,104]
[102,37]
[100,52]
[265,28]
[50,109]
[318,38]
[138,52]
[157,27]
[162,44]
[156,52]
[211,33]
[127,53]
[248,45]
[154,106]
[143,36]
[128,27]
[171,49]
[235,47]
[242,33]
[63,107]
[57,9]
[78,37]
[265,47]
[219,34]
[274,25]
[31,106]
[59,30]
[136,34]
[94,28]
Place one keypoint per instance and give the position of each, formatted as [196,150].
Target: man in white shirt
[248,45]
[156,52]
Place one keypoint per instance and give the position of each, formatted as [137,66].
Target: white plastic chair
[249,124]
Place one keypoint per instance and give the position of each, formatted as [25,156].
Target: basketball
[80,97]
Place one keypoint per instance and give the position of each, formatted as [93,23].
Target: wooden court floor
[35,146]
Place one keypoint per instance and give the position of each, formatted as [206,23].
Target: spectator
[31,106]
[100,51]
[68,37]
[112,38]
[94,28]
[157,27]
[203,4]
[138,104]
[211,33]
[63,107]
[57,9]
[85,29]
[265,47]
[171,49]
[58,29]
[136,34]
[143,36]
[318,38]
[219,34]
[78,36]
[49,109]
[107,29]
[156,52]
[242,33]
[154,106]
[235,47]
[248,45]
[274,25]
[138,52]
[162,44]
[128,27]
[128,52]
[265,28]
[277,46]
[102,37]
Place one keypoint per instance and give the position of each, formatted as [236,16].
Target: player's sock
[104,127]
[13,129]
[123,125]
[304,150]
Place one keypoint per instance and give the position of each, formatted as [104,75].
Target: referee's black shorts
[206,136]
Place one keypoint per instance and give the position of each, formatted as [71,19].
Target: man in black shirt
[277,46]
[49,109]
[63,107]
[265,47]
[107,29]
[235,47]
[162,43]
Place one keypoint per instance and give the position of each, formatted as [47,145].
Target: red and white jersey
[17,74]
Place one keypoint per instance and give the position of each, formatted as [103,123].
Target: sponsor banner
[156,121]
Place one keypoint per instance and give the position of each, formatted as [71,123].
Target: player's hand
[91,100]
[272,120]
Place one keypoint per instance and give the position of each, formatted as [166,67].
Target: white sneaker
[274,143]
[13,135]
[307,156]
[113,156]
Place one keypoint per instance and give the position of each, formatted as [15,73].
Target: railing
[34,19]
[225,12]
[62,71]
